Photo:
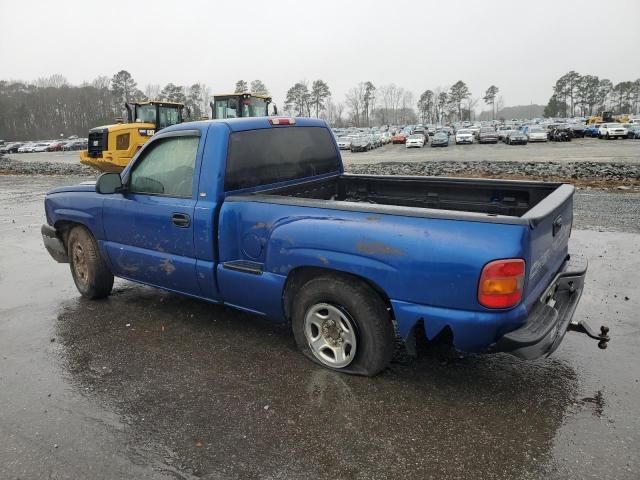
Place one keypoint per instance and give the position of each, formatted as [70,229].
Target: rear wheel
[342,324]
[92,277]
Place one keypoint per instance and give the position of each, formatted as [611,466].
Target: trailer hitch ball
[602,344]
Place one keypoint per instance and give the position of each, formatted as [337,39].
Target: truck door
[149,227]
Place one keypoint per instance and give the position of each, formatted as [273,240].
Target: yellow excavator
[111,147]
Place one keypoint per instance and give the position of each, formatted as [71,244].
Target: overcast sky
[520,46]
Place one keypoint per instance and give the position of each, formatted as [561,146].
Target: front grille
[98,142]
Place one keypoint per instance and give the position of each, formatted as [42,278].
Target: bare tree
[355,101]
[152,91]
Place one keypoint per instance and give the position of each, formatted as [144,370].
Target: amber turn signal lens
[501,283]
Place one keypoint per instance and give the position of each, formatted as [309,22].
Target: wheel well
[63,227]
[301,275]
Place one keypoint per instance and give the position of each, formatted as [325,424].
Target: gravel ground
[16,166]
[609,172]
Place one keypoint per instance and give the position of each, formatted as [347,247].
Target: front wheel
[92,277]
[342,324]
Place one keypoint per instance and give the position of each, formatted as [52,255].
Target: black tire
[364,308]
[92,277]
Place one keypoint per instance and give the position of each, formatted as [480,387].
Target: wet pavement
[148,384]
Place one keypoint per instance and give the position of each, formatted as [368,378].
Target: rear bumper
[549,319]
[54,244]
[532,333]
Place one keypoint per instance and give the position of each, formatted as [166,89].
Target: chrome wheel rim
[330,334]
[80,263]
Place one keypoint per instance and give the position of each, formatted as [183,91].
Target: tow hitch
[583,327]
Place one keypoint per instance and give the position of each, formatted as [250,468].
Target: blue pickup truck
[258,214]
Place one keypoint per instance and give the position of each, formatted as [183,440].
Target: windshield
[168,116]
[464,131]
[145,114]
[235,107]
[254,107]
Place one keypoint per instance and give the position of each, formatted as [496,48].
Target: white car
[536,134]
[344,143]
[464,135]
[41,147]
[612,130]
[415,141]
[27,148]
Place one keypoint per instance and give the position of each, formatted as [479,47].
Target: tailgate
[550,227]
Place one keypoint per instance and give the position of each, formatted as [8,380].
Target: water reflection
[210,391]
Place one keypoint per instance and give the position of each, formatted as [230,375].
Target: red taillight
[282,121]
[501,283]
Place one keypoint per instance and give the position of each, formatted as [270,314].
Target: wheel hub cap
[330,334]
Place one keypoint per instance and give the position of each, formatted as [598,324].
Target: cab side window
[166,168]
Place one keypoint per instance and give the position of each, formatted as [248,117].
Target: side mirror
[109,183]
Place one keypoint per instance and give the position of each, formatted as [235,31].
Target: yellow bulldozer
[111,147]
[607,117]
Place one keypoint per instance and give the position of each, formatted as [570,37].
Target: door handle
[181,220]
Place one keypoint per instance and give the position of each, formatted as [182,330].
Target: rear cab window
[271,155]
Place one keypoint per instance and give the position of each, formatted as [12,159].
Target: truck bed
[506,198]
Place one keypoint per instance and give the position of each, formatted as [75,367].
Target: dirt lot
[152,385]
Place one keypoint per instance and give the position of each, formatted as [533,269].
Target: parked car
[502,132]
[634,131]
[440,139]
[447,130]
[612,130]
[577,130]
[363,143]
[55,146]
[415,140]
[75,145]
[344,143]
[487,135]
[592,130]
[399,138]
[535,133]
[560,133]
[27,148]
[493,274]
[40,147]
[464,135]
[11,147]
[516,137]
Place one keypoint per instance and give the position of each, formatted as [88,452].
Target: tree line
[50,107]
[368,105]
[586,95]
